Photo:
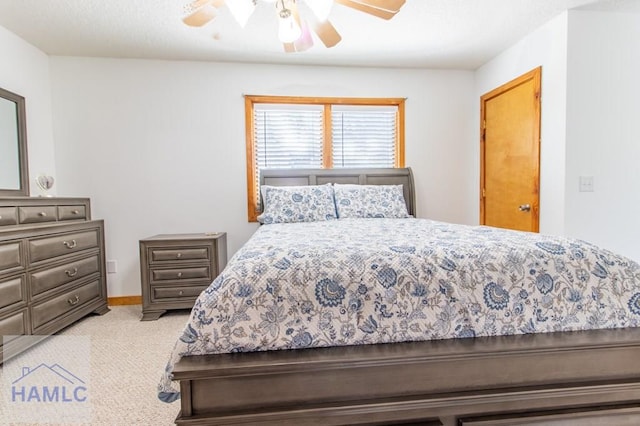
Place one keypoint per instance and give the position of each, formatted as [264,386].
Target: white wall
[160,146]
[25,71]
[603,131]
[546,47]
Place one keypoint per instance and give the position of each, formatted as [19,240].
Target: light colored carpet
[126,362]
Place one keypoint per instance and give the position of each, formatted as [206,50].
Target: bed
[318,320]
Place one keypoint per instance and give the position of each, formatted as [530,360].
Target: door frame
[536,76]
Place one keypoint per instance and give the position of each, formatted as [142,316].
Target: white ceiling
[461,34]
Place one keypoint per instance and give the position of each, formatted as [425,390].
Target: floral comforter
[364,281]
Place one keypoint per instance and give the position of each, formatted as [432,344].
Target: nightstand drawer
[178,254]
[65,303]
[73,212]
[179,274]
[12,291]
[38,214]
[47,279]
[161,293]
[8,216]
[10,256]
[59,245]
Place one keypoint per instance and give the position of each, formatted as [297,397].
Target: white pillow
[289,204]
[369,201]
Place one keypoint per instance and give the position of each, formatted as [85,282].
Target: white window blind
[363,136]
[288,136]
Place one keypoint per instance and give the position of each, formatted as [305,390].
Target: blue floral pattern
[363,281]
[290,204]
[370,201]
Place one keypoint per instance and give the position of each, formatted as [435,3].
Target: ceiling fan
[293,30]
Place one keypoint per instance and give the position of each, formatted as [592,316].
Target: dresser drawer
[179,274]
[73,212]
[12,291]
[8,216]
[47,279]
[178,254]
[38,214]
[65,303]
[10,256]
[13,325]
[180,292]
[46,248]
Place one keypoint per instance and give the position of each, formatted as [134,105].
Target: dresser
[176,268]
[52,268]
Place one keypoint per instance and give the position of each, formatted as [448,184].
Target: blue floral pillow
[367,201]
[288,204]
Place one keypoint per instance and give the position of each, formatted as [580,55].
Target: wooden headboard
[301,177]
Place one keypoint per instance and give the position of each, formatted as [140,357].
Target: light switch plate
[586,183]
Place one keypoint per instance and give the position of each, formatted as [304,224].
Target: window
[293,132]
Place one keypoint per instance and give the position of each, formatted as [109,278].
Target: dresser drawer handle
[179,255]
[71,273]
[75,301]
[179,274]
[181,293]
[75,212]
[42,214]
[70,245]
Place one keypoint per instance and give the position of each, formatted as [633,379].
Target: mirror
[14,174]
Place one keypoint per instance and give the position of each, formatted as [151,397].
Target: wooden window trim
[251,100]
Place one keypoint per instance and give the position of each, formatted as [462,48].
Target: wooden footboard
[544,379]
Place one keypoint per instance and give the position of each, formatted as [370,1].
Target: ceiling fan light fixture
[241,10]
[288,29]
[293,29]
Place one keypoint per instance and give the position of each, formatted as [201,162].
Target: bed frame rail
[435,382]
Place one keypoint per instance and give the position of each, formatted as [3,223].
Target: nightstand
[175,268]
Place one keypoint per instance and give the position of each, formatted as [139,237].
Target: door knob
[524,207]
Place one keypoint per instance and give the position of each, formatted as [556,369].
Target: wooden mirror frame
[23,164]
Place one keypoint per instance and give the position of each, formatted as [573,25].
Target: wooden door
[510,154]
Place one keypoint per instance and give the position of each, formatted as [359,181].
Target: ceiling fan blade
[196,4]
[327,33]
[362,7]
[390,5]
[201,16]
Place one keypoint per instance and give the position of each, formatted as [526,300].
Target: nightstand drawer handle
[75,301]
[42,214]
[179,255]
[70,245]
[71,273]
[179,274]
